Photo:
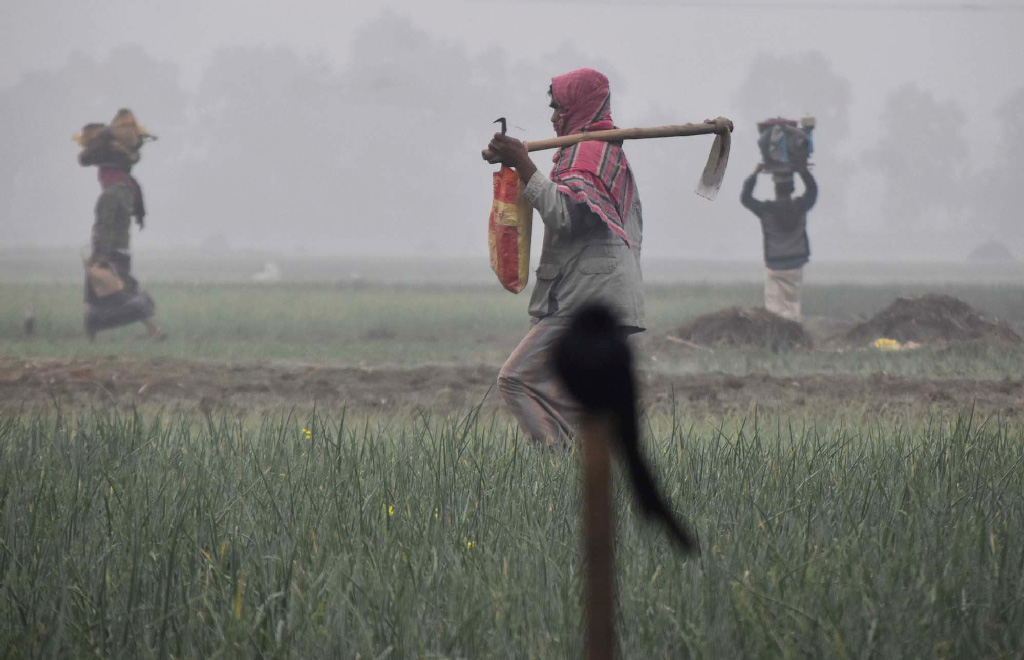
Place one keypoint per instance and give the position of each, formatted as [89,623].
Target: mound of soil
[930,319]
[745,326]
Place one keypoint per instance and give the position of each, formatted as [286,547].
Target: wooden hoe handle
[719,125]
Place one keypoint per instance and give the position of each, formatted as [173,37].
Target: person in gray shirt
[591,251]
[786,247]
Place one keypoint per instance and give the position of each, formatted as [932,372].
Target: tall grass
[425,536]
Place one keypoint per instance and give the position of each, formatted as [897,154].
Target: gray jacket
[582,260]
[783,223]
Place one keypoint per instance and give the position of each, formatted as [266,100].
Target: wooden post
[595,364]
[598,538]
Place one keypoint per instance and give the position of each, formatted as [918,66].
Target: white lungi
[782,289]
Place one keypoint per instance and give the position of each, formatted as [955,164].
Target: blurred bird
[30,320]
[595,363]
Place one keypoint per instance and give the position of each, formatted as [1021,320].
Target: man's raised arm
[810,195]
[747,196]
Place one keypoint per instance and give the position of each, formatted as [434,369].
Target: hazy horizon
[353,129]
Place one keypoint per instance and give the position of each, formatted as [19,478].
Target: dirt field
[210,385]
[246,349]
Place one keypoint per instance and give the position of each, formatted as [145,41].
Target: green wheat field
[301,530]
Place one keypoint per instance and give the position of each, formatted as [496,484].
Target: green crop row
[452,537]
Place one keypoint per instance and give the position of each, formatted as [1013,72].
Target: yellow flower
[437,514]
[391,510]
[886,344]
[470,545]
[306,432]
[239,594]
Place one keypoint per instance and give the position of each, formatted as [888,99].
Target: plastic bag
[509,230]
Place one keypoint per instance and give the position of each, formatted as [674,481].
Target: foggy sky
[667,64]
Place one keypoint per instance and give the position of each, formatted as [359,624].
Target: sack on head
[785,144]
[117,143]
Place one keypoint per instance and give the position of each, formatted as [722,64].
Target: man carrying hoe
[591,251]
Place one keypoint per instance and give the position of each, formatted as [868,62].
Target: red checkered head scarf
[585,97]
[594,173]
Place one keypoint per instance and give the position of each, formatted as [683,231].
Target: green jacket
[582,260]
[112,229]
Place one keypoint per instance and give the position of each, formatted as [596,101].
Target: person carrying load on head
[786,149]
[112,296]
[591,249]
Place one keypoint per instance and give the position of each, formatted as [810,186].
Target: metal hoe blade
[714,171]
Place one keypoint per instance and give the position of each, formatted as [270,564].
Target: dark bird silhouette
[595,363]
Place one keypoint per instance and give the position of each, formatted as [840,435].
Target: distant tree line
[380,155]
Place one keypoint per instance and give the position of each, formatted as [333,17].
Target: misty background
[342,128]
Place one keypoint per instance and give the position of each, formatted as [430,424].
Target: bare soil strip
[119,383]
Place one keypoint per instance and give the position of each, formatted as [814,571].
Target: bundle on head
[785,144]
[117,143]
[596,365]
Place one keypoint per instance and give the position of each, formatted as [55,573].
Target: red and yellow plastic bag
[509,230]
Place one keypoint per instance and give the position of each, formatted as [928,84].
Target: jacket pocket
[547,271]
[543,302]
[598,265]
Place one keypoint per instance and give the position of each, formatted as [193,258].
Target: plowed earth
[239,387]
